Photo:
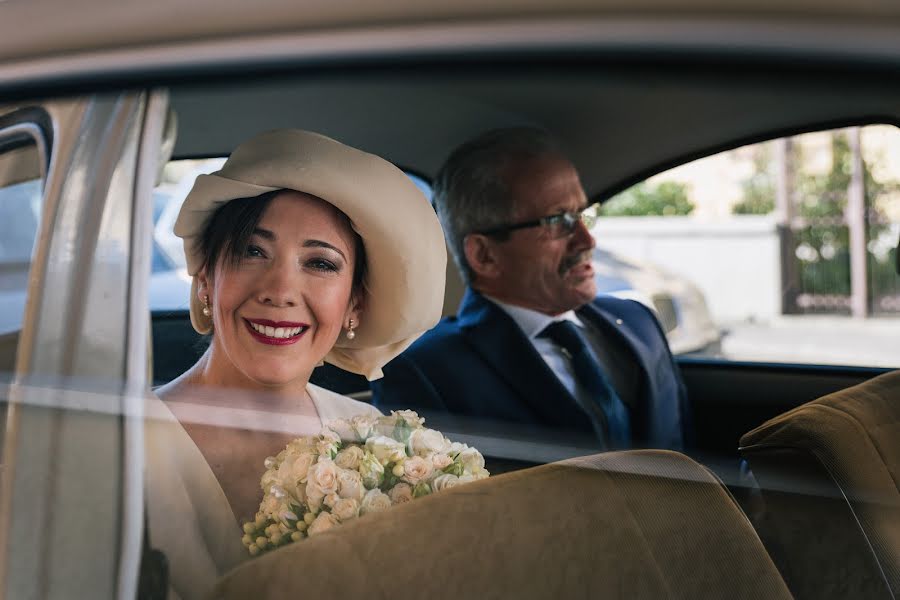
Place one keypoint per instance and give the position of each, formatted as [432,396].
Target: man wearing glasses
[532,343]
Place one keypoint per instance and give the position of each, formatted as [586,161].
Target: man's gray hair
[471,191]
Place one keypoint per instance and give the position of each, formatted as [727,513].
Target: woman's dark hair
[229,230]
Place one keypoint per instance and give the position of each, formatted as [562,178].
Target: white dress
[188,516]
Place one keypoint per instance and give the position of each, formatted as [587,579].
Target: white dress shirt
[532,323]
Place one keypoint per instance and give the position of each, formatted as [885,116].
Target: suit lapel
[608,321]
[501,343]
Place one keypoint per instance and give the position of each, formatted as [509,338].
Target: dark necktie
[589,373]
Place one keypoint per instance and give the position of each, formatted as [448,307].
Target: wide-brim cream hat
[404,244]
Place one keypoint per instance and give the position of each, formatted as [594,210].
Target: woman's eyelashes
[323,264]
[254,252]
[316,263]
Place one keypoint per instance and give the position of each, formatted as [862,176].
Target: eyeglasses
[560,225]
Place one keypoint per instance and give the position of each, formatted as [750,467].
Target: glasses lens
[588,217]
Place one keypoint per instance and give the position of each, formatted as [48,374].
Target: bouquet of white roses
[356,466]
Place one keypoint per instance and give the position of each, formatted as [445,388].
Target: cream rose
[385,449]
[323,522]
[314,498]
[416,469]
[350,484]
[346,509]
[323,477]
[423,442]
[444,482]
[349,458]
[295,467]
[441,461]
[401,493]
[374,501]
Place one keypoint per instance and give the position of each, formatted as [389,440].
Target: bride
[302,250]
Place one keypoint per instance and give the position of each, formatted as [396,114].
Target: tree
[759,188]
[665,199]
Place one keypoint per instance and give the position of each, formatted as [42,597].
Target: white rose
[444,482]
[362,425]
[371,470]
[385,449]
[349,457]
[411,417]
[456,448]
[346,509]
[350,484]
[323,522]
[401,493]
[426,441]
[416,469]
[328,443]
[374,501]
[343,429]
[472,460]
[322,478]
[331,500]
[441,461]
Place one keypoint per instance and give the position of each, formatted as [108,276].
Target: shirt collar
[532,322]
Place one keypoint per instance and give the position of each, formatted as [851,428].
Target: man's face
[535,268]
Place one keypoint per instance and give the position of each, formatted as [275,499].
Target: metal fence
[838,248]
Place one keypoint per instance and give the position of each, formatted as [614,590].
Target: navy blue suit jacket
[480,364]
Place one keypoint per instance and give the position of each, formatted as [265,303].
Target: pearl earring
[206,309]
[350,333]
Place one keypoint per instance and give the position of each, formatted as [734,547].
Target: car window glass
[20,207]
[781,251]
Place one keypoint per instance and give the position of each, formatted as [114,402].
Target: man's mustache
[575,259]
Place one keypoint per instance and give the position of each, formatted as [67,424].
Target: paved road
[818,340]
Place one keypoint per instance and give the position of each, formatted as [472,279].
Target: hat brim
[405,249]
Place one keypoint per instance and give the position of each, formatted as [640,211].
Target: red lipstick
[275,341]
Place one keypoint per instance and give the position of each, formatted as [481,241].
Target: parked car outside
[679,304]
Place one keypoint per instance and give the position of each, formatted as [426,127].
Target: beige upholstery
[642,524]
[830,475]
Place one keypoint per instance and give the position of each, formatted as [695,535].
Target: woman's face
[280,310]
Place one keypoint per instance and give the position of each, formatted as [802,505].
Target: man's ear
[480,255]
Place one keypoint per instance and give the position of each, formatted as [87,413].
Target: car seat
[829,474]
[637,524]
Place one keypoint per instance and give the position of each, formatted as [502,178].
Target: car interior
[796,474]
[619,123]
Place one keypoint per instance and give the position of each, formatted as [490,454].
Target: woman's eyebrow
[264,233]
[321,244]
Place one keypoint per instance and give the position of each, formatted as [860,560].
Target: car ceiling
[618,122]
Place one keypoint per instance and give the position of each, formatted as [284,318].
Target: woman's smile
[276,333]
